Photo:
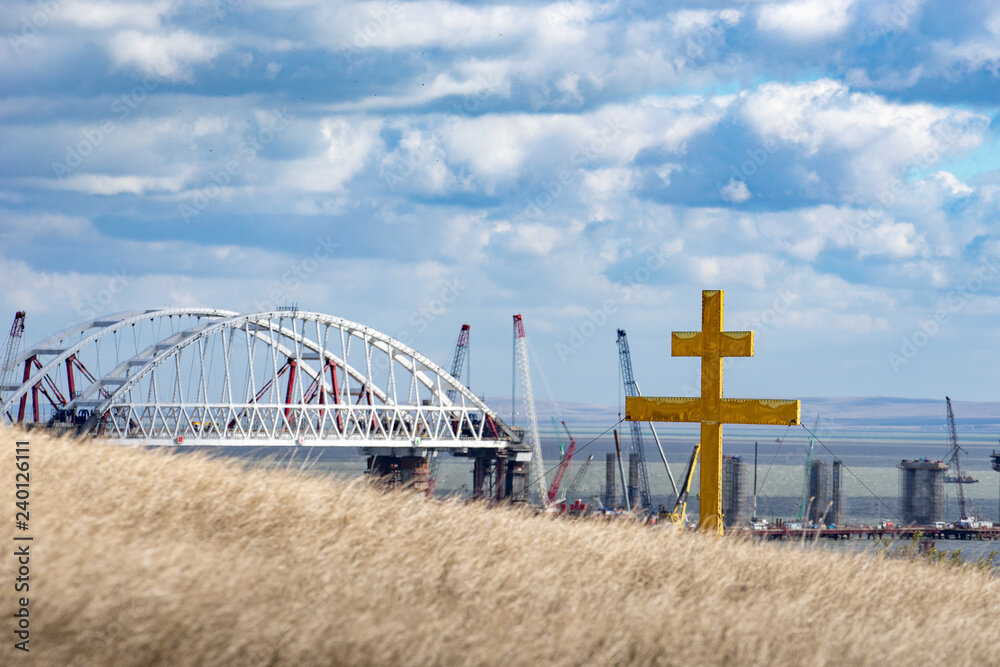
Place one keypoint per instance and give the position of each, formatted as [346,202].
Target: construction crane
[955,457]
[632,389]
[804,501]
[625,358]
[11,350]
[458,361]
[678,515]
[995,460]
[577,478]
[528,396]
[563,465]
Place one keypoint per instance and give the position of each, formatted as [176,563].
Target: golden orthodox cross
[711,409]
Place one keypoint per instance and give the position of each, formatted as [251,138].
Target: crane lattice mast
[458,360]
[954,457]
[804,501]
[13,347]
[625,357]
[577,478]
[528,396]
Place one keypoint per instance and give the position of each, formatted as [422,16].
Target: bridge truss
[203,376]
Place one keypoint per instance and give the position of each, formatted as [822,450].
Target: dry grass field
[144,558]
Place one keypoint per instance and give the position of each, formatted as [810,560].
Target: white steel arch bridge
[204,376]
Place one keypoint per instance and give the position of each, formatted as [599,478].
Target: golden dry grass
[145,558]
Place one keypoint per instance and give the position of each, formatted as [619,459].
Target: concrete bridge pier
[401,472]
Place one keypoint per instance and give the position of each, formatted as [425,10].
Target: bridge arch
[38,377]
[274,377]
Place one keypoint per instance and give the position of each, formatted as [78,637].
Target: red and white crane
[528,396]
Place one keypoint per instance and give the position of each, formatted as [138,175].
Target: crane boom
[577,478]
[804,501]
[528,396]
[563,465]
[458,360]
[659,448]
[955,457]
[678,515]
[625,358]
[13,347]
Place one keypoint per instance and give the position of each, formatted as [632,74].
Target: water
[870,456]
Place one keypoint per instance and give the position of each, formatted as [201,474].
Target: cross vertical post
[711,410]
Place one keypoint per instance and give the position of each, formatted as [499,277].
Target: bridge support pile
[401,471]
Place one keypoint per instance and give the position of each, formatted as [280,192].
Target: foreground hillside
[144,558]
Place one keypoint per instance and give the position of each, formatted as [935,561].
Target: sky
[833,165]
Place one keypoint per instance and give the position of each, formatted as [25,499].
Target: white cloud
[476,80]
[501,148]
[350,143]
[537,238]
[104,184]
[875,140]
[665,170]
[950,184]
[806,19]
[367,25]
[897,240]
[43,224]
[417,164]
[688,21]
[165,55]
[104,15]
[735,191]
[210,125]
[746,269]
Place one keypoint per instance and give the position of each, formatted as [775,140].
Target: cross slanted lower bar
[712,344]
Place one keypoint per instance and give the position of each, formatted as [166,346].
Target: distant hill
[874,412]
